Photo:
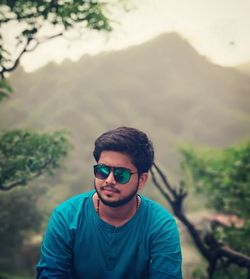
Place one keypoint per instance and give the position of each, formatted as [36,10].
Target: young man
[113,232]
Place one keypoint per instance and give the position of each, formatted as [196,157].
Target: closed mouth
[109,189]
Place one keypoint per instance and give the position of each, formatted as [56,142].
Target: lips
[109,189]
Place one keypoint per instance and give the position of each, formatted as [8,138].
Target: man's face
[109,190]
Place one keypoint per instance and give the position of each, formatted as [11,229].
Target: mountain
[244,68]
[163,87]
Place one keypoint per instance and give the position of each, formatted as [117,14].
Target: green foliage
[225,271]
[224,177]
[65,12]
[236,237]
[10,276]
[26,154]
[18,216]
[222,272]
[199,273]
[33,15]
[5,89]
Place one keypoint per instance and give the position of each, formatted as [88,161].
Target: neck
[119,215]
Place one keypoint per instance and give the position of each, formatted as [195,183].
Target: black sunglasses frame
[113,169]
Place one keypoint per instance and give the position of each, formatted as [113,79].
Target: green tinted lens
[122,175]
[101,171]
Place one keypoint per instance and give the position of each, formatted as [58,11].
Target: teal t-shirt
[78,244]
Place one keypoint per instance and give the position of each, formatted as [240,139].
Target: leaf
[27,154]
[5,89]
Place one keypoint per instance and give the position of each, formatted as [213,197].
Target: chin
[110,200]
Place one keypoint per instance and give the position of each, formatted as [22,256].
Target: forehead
[116,159]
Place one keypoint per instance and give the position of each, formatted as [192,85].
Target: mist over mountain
[244,68]
[163,87]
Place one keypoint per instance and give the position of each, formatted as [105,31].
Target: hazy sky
[218,29]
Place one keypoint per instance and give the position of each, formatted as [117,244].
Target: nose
[110,179]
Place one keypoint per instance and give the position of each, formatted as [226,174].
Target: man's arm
[56,250]
[165,252]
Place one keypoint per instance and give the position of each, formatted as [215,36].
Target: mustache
[109,187]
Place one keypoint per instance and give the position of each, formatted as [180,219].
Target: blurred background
[180,71]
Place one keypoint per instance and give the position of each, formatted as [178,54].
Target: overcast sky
[218,29]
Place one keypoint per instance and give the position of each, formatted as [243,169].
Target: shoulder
[157,217]
[70,210]
[75,202]
[155,210]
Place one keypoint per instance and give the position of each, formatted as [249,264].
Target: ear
[143,179]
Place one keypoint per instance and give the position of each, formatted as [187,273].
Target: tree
[32,15]
[17,166]
[224,177]
[25,155]
[18,216]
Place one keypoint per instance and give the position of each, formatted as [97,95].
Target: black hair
[129,141]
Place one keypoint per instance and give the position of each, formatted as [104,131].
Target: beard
[117,203]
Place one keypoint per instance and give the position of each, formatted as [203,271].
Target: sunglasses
[121,175]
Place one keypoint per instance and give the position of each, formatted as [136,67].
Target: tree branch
[221,251]
[25,180]
[158,185]
[27,49]
[210,248]
[177,208]
[165,181]
[11,186]
[234,256]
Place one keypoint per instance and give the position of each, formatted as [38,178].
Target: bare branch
[41,41]
[160,188]
[209,247]
[27,48]
[177,207]
[234,256]
[165,181]
[13,185]
[220,250]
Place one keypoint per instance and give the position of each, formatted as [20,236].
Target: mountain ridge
[163,87]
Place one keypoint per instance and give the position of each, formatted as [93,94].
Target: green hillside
[163,87]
